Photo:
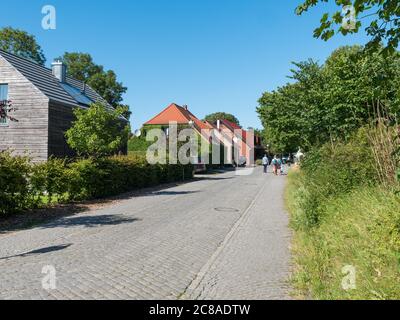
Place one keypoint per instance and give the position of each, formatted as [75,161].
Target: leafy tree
[106,84]
[385,24]
[22,44]
[81,67]
[289,115]
[97,131]
[221,116]
[330,102]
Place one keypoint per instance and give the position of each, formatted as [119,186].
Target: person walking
[275,165]
[282,164]
[265,163]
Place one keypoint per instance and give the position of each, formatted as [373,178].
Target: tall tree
[22,44]
[222,116]
[331,101]
[82,67]
[384,25]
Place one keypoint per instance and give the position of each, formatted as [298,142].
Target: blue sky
[213,55]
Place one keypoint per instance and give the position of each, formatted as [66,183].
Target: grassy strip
[360,228]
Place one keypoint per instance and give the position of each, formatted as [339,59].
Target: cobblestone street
[221,236]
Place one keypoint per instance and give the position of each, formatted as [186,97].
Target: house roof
[202,125]
[72,92]
[171,113]
[231,124]
[180,115]
[235,129]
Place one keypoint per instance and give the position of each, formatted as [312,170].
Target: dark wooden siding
[30,134]
[60,120]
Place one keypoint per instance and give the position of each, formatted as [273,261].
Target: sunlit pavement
[222,236]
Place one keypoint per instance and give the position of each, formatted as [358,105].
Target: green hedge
[14,185]
[24,185]
[91,178]
[136,144]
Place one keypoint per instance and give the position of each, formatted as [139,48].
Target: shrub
[97,178]
[343,216]
[23,185]
[98,131]
[49,178]
[333,170]
[87,180]
[14,183]
[138,144]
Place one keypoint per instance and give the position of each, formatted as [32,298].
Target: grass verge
[359,229]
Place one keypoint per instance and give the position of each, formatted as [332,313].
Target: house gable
[29,135]
[173,113]
[51,87]
[182,116]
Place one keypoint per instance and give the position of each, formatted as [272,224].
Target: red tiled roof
[172,113]
[231,124]
[176,113]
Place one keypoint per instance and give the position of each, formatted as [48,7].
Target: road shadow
[169,193]
[211,177]
[89,221]
[39,251]
[32,218]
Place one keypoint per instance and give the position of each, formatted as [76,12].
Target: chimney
[185,107]
[219,124]
[59,70]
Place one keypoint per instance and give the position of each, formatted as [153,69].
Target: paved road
[220,237]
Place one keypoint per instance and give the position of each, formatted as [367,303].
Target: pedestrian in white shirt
[265,163]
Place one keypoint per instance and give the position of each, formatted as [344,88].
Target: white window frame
[6,122]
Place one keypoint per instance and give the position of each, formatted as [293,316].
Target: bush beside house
[25,185]
[14,186]
[138,146]
[97,135]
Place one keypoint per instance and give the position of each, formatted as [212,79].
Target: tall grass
[346,212]
[360,228]
[384,140]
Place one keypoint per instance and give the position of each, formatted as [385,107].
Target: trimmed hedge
[90,178]
[14,186]
[24,185]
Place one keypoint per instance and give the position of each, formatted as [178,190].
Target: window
[3,97]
